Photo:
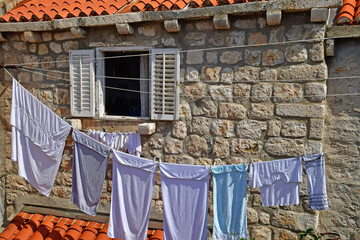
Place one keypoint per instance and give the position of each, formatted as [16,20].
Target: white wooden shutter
[82,79]
[165,74]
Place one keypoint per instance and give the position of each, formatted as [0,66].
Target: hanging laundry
[185,190]
[229,191]
[132,190]
[278,181]
[133,144]
[37,139]
[88,171]
[316,182]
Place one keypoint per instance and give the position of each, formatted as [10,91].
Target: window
[134,82]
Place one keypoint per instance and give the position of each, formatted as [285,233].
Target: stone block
[222,128]
[268,75]
[251,129]
[260,111]
[264,218]
[192,75]
[221,147]
[284,147]
[67,35]
[211,74]
[200,125]
[221,21]
[230,57]
[156,141]
[172,25]
[257,38]
[221,93]
[313,147]
[195,57]
[294,220]
[204,107]
[306,31]
[252,58]
[227,75]
[288,92]
[315,92]
[204,25]
[245,146]
[70,45]
[43,49]
[274,128]
[252,215]
[261,92]
[124,29]
[168,42]
[260,233]
[179,130]
[78,32]
[55,47]
[246,74]
[256,202]
[232,111]
[272,57]
[217,39]
[300,110]
[148,30]
[284,234]
[184,159]
[241,92]
[173,146]
[319,14]
[195,39]
[296,53]
[195,90]
[33,37]
[245,23]
[277,34]
[273,17]
[197,146]
[212,57]
[317,52]
[184,111]
[293,129]
[235,38]
[316,129]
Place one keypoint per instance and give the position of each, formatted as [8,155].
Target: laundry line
[202,49]
[187,95]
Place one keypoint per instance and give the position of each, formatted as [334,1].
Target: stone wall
[343,139]
[237,105]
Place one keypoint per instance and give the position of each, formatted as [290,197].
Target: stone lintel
[172,25]
[78,32]
[319,15]
[110,20]
[221,21]
[33,37]
[2,38]
[273,17]
[124,28]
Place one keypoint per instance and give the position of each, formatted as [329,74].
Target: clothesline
[234,97]
[203,49]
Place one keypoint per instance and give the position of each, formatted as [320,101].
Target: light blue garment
[229,190]
[278,180]
[185,190]
[89,169]
[132,191]
[316,182]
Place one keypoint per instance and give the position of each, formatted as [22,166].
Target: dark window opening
[125,70]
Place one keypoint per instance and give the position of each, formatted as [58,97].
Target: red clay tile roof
[27,226]
[46,10]
[349,12]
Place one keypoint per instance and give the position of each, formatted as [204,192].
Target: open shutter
[165,73]
[82,79]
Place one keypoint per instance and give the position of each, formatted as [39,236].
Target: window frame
[100,81]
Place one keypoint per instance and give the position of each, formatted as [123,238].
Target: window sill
[125,118]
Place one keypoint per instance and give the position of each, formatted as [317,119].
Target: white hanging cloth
[37,139]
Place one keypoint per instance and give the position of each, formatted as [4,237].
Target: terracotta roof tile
[27,226]
[47,10]
[349,13]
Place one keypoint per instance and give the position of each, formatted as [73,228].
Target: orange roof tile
[47,10]
[349,12]
[27,226]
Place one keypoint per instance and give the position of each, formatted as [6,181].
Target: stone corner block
[319,14]
[273,17]
[2,38]
[78,32]
[147,128]
[75,123]
[172,25]
[124,29]
[221,21]
[33,37]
